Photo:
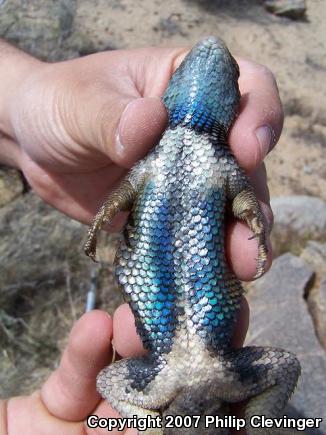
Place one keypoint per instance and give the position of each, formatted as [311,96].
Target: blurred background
[44,276]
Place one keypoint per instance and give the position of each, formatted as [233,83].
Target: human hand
[69,396]
[74,127]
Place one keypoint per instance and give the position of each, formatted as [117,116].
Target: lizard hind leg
[265,376]
[139,387]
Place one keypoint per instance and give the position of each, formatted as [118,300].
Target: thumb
[119,129]
[140,127]
[71,117]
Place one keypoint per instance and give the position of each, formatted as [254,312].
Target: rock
[40,27]
[280,318]
[315,256]
[11,185]
[170,26]
[294,9]
[297,219]
[317,305]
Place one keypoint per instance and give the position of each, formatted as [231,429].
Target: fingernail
[265,136]
[141,125]
[119,145]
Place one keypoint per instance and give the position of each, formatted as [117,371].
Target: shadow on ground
[245,9]
[292,412]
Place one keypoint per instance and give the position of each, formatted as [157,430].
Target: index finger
[259,124]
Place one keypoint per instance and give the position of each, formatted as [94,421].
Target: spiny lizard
[172,268]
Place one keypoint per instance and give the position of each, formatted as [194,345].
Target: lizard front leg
[120,199]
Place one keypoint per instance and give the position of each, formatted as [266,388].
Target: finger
[123,135]
[240,250]
[258,180]
[70,392]
[105,410]
[71,194]
[27,415]
[126,133]
[259,124]
[126,341]
[144,119]
[141,125]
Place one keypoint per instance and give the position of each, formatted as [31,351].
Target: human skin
[74,128]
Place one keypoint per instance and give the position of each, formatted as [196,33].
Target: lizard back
[172,263]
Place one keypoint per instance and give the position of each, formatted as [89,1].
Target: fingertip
[91,335]
[126,341]
[140,128]
[105,410]
[242,251]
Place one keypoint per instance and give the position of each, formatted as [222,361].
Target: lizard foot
[138,388]
[246,207]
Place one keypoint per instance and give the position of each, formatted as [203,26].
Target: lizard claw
[261,260]
[260,271]
[90,248]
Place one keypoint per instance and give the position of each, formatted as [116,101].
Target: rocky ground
[44,276]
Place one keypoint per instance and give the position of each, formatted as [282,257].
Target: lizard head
[203,93]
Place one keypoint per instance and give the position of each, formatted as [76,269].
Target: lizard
[172,268]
